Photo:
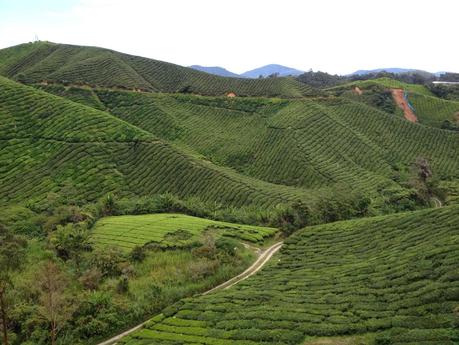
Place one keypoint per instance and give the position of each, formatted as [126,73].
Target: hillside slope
[402,287]
[61,63]
[309,143]
[429,110]
[47,142]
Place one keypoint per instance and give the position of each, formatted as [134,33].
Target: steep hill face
[68,64]
[401,286]
[47,142]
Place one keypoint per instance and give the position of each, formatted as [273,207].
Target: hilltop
[45,62]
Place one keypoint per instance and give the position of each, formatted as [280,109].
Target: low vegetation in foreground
[68,284]
[395,277]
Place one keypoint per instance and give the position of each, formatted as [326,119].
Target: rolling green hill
[401,286]
[47,142]
[60,63]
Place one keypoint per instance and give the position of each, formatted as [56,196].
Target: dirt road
[263,258]
[399,98]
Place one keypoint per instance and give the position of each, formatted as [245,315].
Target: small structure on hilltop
[231,94]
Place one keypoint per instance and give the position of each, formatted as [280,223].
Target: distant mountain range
[283,71]
[394,70]
[265,71]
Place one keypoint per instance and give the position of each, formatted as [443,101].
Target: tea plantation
[47,141]
[169,231]
[286,141]
[395,277]
[96,146]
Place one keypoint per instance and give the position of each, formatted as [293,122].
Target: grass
[331,280]
[169,230]
[61,63]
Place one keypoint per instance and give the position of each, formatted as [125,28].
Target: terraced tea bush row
[395,276]
[169,230]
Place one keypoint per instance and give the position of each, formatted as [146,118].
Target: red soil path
[398,95]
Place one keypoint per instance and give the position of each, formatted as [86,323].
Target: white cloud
[332,35]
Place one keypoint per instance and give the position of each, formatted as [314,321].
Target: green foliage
[122,286]
[108,261]
[137,254]
[321,79]
[70,242]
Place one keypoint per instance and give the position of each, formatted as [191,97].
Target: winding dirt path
[256,266]
[399,98]
[262,259]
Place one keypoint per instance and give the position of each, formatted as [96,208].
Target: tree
[12,252]
[108,205]
[70,241]
[54,304]
[421,180]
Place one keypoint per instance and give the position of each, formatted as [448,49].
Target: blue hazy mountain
[268,70]
[215,70]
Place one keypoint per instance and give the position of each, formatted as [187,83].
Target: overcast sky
[337,36]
